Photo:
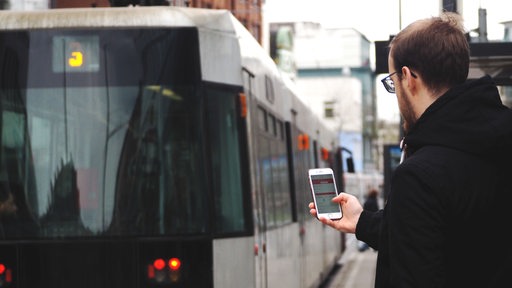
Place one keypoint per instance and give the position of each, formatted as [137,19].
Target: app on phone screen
[324,189]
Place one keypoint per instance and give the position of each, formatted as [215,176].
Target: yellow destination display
[75,54]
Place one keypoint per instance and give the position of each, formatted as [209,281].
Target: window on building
[329,109]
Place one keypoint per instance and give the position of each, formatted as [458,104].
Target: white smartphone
[323,189]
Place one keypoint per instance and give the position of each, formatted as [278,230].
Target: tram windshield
[111,133]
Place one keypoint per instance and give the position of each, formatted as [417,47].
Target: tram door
[260,256]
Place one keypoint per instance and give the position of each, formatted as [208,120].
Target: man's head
[429,57]
[435,48]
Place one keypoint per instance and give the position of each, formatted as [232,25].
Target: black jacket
[446,221]
[371,203]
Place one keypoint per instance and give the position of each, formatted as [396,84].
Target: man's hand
[351,209]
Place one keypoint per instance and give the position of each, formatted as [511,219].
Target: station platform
[355,269]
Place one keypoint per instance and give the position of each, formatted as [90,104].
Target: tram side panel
[272,206]
[279,242]
[282,243]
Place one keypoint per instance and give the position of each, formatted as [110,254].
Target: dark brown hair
[436,48]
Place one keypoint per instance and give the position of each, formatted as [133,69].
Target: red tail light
[159,264]
[174,264]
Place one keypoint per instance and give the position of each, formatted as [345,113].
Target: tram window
[273,162]
[107,151]
[267,187]
[282,191]
[315,154]
[280,130]
[272,124]
[303,160]
[506,91]
[12,136]
[225,161]
[269,89]
[262,119]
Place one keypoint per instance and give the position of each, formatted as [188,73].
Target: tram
[154,147]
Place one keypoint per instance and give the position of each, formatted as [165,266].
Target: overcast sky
[377,19]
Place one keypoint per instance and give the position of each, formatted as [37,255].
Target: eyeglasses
[388,82]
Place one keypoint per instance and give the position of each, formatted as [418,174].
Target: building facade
[248,12]
[333,73]
[340,60]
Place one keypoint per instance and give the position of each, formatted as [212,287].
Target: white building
[334,75]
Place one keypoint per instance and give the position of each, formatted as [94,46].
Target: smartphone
[323,189]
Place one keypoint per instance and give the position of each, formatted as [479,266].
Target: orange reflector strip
[305,145]
[151,272]
[325,154]
[8,276]
[243,105]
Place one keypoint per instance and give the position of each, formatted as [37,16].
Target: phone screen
[324,190]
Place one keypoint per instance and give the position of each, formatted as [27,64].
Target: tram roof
[145,16]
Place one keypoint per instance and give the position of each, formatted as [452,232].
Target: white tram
[154,147]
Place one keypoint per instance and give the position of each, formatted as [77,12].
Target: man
[446,220]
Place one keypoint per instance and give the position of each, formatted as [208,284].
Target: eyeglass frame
[390,87]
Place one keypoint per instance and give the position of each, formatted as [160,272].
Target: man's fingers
[341,198]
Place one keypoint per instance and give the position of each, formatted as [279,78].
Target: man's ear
[411,81]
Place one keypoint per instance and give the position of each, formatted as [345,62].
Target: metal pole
[399,15]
